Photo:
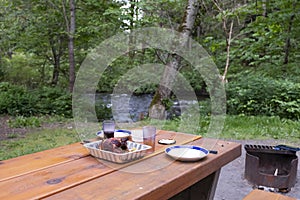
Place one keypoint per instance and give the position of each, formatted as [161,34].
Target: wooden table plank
[162,183]
[32,162]
[57,172]
[53,179]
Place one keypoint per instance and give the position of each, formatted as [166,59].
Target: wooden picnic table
[70,172]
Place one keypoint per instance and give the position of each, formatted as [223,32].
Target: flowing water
[127,108]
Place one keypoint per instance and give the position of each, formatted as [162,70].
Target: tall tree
[287,46]
[46,29]
[225,18]
[157,107]
[70,26]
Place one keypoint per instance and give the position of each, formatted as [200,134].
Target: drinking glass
[108,128]
[149,134]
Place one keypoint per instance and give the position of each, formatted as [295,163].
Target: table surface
[69,172]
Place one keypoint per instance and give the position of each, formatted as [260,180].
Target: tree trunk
[71,46]
[70,26]
[157,108]
[55,73]
[264,6]
[132,11]
[288,42]
[228,34]
[228,43]
[56,48]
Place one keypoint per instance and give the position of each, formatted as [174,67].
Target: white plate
[118,133]
[186,152]
[136,134]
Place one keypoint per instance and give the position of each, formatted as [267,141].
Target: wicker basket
[136,152]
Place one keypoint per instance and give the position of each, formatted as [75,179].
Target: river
[126,108]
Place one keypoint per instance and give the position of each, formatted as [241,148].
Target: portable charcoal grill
[271,166]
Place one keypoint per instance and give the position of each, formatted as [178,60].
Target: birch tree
[157,108]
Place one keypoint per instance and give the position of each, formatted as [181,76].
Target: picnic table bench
[265,195]
[70,172]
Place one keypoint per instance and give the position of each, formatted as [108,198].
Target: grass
[235,127]
[243,127]
[37,141]
[246,127]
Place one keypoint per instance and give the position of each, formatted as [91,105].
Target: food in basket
[116,145]
[114,152]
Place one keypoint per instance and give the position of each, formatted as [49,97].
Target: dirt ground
[6,132]
[233,186]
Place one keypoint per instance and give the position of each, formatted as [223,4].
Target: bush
[18,101]
[103,112]
[53,101]
[20,122]
[15,100]
[253,95]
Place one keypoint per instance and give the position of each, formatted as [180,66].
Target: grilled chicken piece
[116,145]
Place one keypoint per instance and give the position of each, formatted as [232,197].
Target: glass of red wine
[108,128]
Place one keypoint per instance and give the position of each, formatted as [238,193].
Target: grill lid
[285,147]
[279,149]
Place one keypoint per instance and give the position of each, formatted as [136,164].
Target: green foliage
[38,31]
[120,70]
[21,121]
[53,101]
[34,39]
[167,103]
[102,111]
[19,101]
[264,40]
[12,135]
[15,100]
[253,95]
[22,69]
[194,78]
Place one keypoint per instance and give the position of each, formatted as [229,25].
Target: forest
[254,44]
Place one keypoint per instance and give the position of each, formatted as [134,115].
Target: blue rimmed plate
[118,133]
[186,152]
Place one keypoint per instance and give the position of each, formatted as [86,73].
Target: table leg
[202,190]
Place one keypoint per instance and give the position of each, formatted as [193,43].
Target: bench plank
[260,194]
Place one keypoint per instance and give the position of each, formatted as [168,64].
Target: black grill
[271,166]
